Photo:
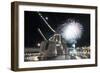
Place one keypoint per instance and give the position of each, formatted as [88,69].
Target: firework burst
[71,31]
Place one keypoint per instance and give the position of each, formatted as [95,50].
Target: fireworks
[71,31]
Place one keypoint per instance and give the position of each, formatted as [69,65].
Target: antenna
[46,22]
[42,34]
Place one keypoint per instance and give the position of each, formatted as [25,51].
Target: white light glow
[46,18]
[38,44]
[73,45]
[72,31]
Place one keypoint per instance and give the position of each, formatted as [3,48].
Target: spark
[72,31]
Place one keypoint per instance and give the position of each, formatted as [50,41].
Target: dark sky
[33,21]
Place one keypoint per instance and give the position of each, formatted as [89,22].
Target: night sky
[33,21]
